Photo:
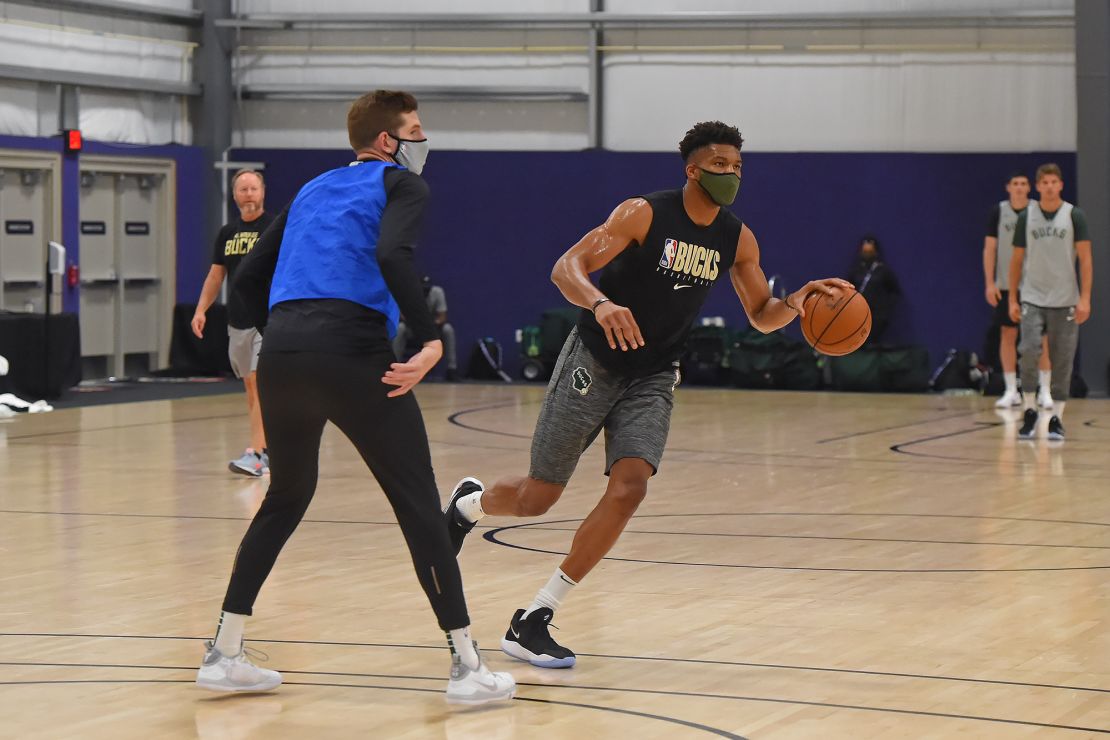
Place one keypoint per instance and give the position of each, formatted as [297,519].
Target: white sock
[1044,377]
[470,506]
[462,644]
[1011,382]
[552,595]
[229,635]
[1058,409]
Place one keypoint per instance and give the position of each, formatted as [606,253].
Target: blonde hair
[1050,168]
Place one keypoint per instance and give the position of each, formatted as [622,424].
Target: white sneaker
[249,464]
[1044,398]
[469,686]
[1008,400]
[219,672]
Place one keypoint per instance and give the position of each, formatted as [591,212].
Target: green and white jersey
[1007,221]
[1049,280]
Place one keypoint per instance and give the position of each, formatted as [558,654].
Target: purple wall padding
[498,220]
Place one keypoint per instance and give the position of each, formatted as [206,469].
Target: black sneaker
[529,640]
[1055,429]
[1029,425]
[457,525]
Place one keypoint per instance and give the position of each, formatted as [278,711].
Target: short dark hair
[375,112]
[1050,168]
[873,241]
[1016,174]
[706,133]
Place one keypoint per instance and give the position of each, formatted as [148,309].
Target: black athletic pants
[299,393]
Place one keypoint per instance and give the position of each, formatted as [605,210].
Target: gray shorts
[583,398]
[242,350]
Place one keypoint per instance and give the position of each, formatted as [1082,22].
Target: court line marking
[659,717]
[605,656]
[762,457]
[187,516]
[899,426]
[753,535]
[981,425]
[491,536]
[36,435]
[658,692]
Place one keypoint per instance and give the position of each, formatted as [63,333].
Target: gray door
[123,236]
[25,223]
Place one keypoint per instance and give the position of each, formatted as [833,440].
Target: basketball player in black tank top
[659,255]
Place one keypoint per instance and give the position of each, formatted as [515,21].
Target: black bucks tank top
[664,282]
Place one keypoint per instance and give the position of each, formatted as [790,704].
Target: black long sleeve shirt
[333,324]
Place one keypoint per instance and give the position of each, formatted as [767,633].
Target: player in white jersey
[1048,239]
[998,247]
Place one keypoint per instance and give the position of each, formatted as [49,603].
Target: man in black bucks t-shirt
[233,242]
[659,255]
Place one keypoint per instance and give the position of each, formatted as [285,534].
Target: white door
[26,225]
[127,266]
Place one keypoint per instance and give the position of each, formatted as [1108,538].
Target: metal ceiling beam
[453,94]
[682,19]
[596,112]
[121,9]
[89,79]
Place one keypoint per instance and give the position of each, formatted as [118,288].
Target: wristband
[598,302]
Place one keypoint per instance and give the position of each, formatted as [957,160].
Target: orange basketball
[836,324]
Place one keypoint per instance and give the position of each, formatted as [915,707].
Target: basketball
[836,324]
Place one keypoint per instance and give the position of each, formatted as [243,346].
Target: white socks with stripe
[552,595]
[229,635]
[470,506]
[462,644]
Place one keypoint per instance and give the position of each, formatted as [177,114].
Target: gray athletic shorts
[242,349]
[583,398]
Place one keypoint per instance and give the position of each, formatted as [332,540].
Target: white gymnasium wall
[832,6]
[371,59]
[404,58]
[795,89]
[841,90]
[43,40]
[414,6]
[847,102]
[960,89]
[450,125]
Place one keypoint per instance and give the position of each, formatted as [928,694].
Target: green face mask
[721,186]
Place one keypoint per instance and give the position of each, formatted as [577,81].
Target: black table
[44,353]
[192,356]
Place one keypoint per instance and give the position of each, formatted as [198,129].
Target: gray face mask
[411,153]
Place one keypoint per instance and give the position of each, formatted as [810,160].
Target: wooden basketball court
[806,566]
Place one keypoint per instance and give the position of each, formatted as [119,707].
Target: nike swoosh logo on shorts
[680,286]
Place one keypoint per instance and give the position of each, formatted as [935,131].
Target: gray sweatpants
[1063,336]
